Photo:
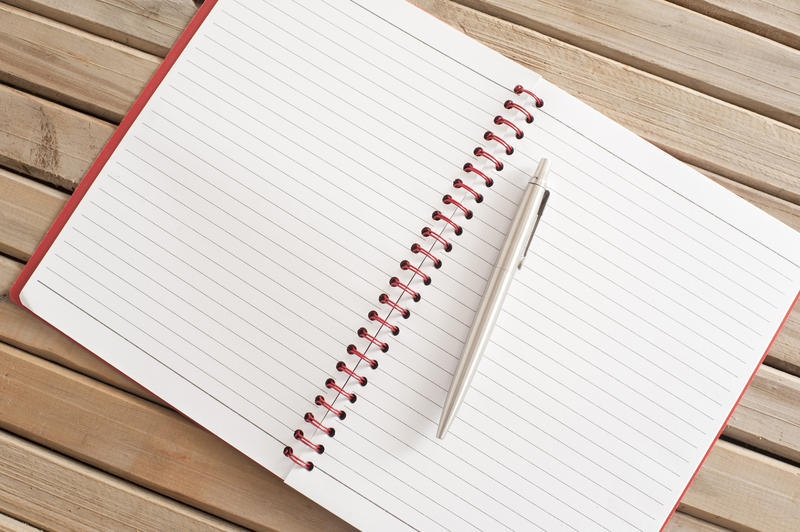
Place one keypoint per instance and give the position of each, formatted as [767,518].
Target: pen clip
[533,230]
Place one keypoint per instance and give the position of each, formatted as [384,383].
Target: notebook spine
[427,253]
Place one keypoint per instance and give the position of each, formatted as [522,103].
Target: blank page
[244,228]
[648,299]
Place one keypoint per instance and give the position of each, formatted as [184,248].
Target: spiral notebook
[288,235]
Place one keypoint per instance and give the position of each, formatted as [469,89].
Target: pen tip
[444,425]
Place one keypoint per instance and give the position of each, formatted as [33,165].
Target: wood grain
[671,42]
[768,417]
[744,490]
[146,444]
[681,522]
[9,271]
[76,68]
[778,20]
[57,493]
[9,524]
[698,129]
[148,25]
[47,141]
[27,209]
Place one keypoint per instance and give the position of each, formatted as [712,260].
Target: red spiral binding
[394,281]
[362,333]
[457,183]
[439,217]
[427,232]
[519,89]
[406,266]
[319,400]
[330,383]
[309,418]
[513,105]
[298,435]
[469,168]
[491,136]
[341,366]
[416,248]
[289,453]
[373,316]
[417,272]
[499,120]
[386,300]
[480,152]
[447,199]
[352,350]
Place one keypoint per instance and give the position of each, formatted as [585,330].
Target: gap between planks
[699,129]
[778,20]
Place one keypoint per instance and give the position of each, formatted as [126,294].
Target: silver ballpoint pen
[511,256]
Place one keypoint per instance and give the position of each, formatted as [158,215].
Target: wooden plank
[47,141]
[148,25]
[681,522]
[701,130]
[162,451]
[778,20]
[147,444]
[9,524]
[71,66]
[671,42]
[768,417]
[57,493]
[9,271]
[742,489]
[27,209]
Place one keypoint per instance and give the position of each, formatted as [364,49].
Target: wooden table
[714,82]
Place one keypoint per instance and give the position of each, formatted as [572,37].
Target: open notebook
[244,222]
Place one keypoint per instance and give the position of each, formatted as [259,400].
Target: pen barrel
[491,304]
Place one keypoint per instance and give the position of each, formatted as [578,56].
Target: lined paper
[244,228]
